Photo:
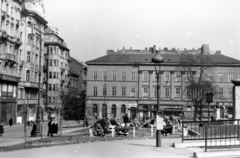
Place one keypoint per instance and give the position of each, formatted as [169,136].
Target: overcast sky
[91,27]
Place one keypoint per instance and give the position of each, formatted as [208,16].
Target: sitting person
[114,122]
[167,129]
[99,130]
[146,123]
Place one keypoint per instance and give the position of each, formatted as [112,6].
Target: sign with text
[159,120]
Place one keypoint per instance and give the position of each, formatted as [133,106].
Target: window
[230,93]
[114,110]
[178,92]
[54,74]
[94,91]
[220,77]
[123,109]
[28,75]
[55,62]
[145,91]
[167,76]
[105,76]
[104,90]
[95,109]
[123,91]
[114,76]
[133,91]
[114,91]
[49,87]
[54,87]
[178,77]
[145,76]
[124,76]
[167,92]
[133,76]
[230,77]
[95,75]
[220,92]
[28,56]
[50,62]
[50,74]
[189,94]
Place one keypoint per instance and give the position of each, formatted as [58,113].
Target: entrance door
[4,119]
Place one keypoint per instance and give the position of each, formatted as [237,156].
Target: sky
[91,27]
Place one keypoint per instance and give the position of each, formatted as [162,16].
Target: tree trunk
[195,112]
[60,124]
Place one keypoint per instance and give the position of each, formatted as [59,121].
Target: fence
[196,129]
[222,136]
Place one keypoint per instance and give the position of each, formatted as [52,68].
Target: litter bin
[1,130]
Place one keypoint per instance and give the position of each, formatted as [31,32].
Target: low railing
[222,136]
[195,130]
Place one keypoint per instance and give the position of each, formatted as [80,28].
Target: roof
[75,67]
[119,58]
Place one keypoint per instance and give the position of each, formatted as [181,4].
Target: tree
[198,79]
[66,102]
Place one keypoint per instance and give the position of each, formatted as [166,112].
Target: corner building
[125,82]
[32,35]
[56,69]
[10,53]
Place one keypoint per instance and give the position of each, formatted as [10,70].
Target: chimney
[173,48]
[159,48]
[130,48]
[193,49]
[165,48]
[146,48]
[123,48]
[154,49]
[110,51]
[185,48]
[218,52]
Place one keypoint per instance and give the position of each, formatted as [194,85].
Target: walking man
[125,119]
[10,122]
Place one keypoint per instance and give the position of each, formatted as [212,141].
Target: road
[110,149]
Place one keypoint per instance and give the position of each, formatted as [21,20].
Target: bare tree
[198,79]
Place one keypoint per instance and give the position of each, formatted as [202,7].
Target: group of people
[52,128]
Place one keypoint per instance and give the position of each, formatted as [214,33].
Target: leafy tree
[198,79]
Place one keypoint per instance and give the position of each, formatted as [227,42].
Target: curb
[216,154]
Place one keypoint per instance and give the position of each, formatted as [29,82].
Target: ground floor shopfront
[144,109]
[8,98]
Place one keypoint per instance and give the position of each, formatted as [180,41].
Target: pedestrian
[1,129]
[56,128]
[10,122]
[86,121]
[49,127]
[33,129]
[53,128]
[125,119]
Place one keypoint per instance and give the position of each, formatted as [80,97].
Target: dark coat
[33,130]
[125,119]
[1,129]
[10,122]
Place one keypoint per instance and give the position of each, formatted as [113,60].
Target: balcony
[21,64]
[10,57]
[45,68]
[17,23]
[62,70]
[3,34]
[4,14]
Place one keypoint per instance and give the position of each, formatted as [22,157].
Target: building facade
[31,52]
[56,69]
[10,43]
[125,82]
[77,76]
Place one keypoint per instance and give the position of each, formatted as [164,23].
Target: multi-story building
[77,76]
[32,34]
[125,82]
[10,53]
[56,69]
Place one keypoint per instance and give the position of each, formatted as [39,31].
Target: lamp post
[38,119]
[158,59]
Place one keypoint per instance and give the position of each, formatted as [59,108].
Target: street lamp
[38,119]
[158,59]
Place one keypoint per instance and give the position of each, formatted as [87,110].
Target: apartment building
[125,82]
[30,67]
[56,69]
[10,52]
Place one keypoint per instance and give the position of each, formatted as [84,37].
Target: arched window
[114,110]
[95,109]
[104,111]
[123,109]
